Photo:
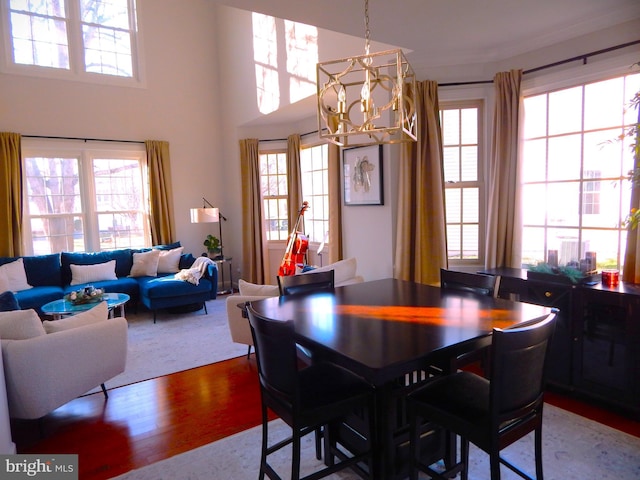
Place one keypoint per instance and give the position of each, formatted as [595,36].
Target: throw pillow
[145,264]
[4,283]
[20,325]
[97,314]
[93,273]
[15,275]
[8,302]
[252,289]
[169,260]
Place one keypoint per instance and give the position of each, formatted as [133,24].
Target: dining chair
[478,283]
[308,282]
[492,414]
[306,399]
[474,283]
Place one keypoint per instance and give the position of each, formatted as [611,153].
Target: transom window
[85,200]
[463,181]
[76,38]
[575,189]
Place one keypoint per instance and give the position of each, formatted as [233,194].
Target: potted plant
[213,246]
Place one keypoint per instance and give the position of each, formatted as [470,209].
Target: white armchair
[344,274]
[48,366]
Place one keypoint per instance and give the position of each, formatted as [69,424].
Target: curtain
[631,268]
[335,201]
[294,180]
[421,245]
[160,192]
[10,194]
[504,220]
[253,266]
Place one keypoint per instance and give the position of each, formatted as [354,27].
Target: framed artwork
[362,169]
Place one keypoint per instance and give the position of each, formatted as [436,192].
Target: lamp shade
[205,215]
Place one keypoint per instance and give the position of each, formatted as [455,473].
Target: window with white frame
[464,186]
[314,170]
[575,189]
[315,177]
[71,38]
[84,199]
[274,192]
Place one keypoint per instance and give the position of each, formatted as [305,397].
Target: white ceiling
[454,32]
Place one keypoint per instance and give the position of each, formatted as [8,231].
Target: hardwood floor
[148,421]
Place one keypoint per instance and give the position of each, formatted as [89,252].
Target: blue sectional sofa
[50,277]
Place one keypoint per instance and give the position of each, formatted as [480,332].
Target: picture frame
[362,176]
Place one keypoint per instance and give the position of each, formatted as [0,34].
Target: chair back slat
[305,283]
[469,282]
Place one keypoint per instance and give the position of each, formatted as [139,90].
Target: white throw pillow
[252,289]
[97,314]
[343,270]
[169,260]
[4,283]
[20,325]
[93,273]
[145,264]
[15,276]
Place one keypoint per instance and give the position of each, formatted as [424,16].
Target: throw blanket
[197,270]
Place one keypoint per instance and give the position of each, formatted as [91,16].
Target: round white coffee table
[62,307]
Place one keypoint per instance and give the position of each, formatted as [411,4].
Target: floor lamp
[209,215]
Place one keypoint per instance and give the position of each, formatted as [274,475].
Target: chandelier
[367,99]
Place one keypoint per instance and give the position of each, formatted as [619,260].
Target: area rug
[176,342]
[574,448]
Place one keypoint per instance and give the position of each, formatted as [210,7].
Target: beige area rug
[176,342]
[574,448]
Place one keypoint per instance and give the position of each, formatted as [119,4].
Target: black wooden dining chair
[478,284]
[491,414]
[309,282]
[306,399]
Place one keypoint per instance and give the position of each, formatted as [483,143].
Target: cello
[296,247]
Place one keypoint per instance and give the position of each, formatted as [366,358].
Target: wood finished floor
[148,421]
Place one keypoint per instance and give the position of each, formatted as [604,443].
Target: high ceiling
[453,32]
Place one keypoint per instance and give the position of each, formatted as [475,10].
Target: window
[273,188]
[575,188]
[314,171]
[85,200]
[315,177]
[75,38]
[464,191]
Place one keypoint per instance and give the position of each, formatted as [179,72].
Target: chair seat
[325,383]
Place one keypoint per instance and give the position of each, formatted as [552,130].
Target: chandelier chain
[367,32]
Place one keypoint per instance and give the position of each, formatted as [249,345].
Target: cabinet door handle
[548,294]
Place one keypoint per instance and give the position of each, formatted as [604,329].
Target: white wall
[179,104]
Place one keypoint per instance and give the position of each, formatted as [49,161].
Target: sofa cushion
[252,289]
[37,296]
[145,264]
[43,270]
[8,302]
[20,325]
[122,257]
[14,275]
[169,246]
[96,314]
[170,286]
[169,261]
[120,285]
[93,273]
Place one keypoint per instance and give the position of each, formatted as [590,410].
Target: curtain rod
[285,139]
[82,139]
[582,57]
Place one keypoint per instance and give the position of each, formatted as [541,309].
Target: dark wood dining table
[388,331]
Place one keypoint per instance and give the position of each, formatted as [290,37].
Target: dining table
[391,332]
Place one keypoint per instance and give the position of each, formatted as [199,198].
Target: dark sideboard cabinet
[596,345]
